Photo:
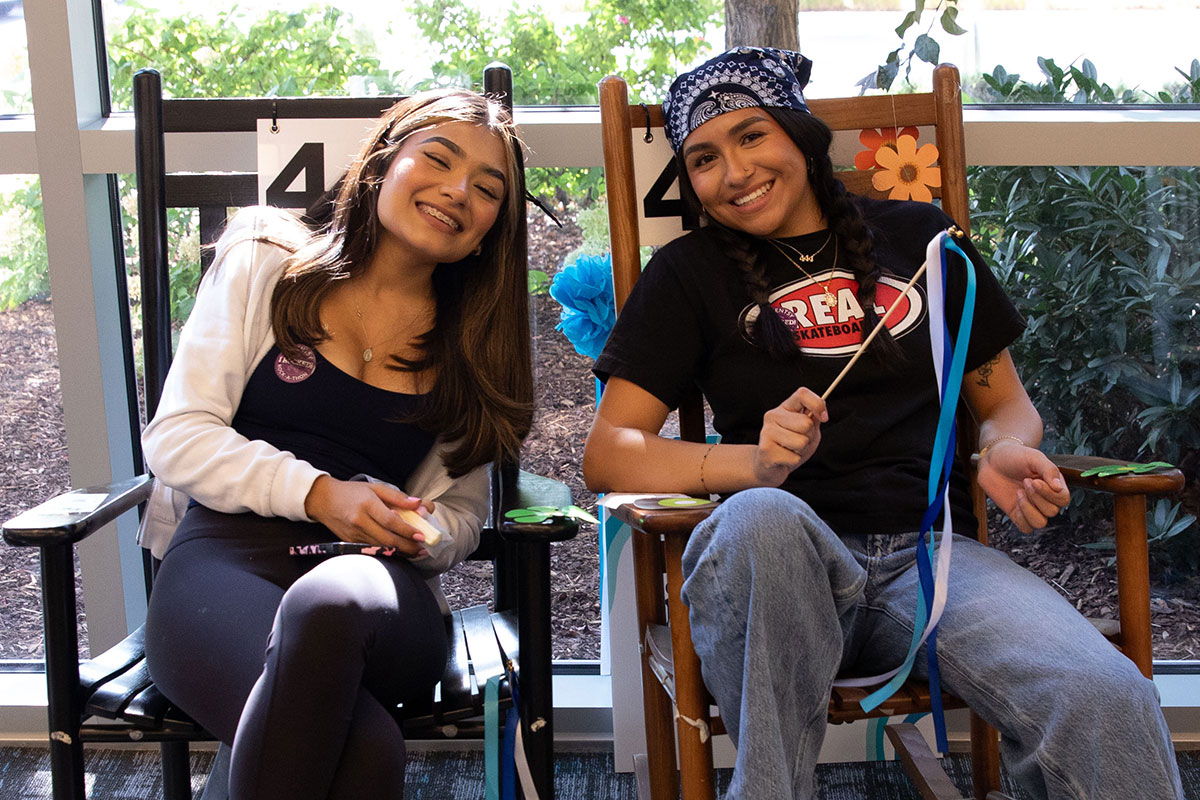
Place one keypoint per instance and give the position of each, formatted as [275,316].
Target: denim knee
[756,520]
[773,541]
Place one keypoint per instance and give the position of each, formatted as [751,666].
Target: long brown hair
[813,137]
[482,397]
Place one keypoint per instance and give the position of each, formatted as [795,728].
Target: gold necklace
[829,298]
[368,352]
[807,258]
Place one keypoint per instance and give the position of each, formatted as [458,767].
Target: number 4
[655,204]
[310,160]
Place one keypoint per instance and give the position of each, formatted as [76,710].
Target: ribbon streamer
[504,760]
[931,599]
[491,738]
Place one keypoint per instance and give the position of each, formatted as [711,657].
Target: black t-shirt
[684,324]
[331,419]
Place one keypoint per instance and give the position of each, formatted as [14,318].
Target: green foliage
[24,274]
[539,282]
[1167,530]
[17,100]
[314,50]
[593,222]
[1104,263]
[924,46]
[646,42]
[565,188]
[1188,91]
[643,41]
[311,51]
[1079,85]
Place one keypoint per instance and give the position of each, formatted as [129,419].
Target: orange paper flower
[907,171]
[873,139]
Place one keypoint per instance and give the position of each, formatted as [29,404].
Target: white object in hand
[431,533]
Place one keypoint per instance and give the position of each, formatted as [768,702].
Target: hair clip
[649,137]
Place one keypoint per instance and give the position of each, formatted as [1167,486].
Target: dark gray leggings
[294,660]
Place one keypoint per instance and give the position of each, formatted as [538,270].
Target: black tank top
[331,419]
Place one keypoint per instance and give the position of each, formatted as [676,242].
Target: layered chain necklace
[807,258]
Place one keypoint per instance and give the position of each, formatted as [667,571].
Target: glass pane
[15,94]
[314,51]
[565,402]
[32,434]
[1135,48]
[557,54]
[1104,262]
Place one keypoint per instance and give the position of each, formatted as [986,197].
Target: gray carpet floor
[458,775]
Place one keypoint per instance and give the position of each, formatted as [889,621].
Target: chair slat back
[938,111]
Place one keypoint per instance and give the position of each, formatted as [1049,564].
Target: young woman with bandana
[806,572]
[393,343]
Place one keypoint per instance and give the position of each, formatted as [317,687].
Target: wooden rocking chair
[672,686]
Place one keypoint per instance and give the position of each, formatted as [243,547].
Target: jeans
[780,605]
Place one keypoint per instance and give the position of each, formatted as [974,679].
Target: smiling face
[749,175]
[442,193]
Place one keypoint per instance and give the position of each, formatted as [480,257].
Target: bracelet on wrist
[702,461]
[983,450]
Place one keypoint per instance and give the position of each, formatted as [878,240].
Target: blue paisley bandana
[744,77]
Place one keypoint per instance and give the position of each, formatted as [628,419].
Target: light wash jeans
[779,606]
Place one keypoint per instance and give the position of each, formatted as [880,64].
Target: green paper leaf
[578,513]
[1124,469]
[537,514]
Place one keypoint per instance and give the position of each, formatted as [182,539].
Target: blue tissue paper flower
[585,291]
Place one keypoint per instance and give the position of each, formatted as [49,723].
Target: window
[32,432]
[15,97]
[1102,261]
[390,51]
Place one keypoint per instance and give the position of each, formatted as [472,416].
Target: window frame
[84,145]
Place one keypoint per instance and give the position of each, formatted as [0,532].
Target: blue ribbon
[508,763]
[491,738]
[940,468]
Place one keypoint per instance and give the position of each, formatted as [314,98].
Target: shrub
[1104,262]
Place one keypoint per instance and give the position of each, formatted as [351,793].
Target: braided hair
[813,137]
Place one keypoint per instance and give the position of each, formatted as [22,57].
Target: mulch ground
[32,437]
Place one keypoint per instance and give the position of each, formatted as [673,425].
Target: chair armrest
[73,516]
[1164,481]
[527,490]
[662,521]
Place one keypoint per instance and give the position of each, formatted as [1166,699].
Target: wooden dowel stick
[882,324]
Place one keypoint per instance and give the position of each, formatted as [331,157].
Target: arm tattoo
[985,372]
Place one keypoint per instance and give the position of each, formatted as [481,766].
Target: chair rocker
[676,702]
[111,698]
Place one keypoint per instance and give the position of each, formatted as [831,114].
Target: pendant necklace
[368,352]
[829,298]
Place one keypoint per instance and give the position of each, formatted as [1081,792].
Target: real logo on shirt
[821,330]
